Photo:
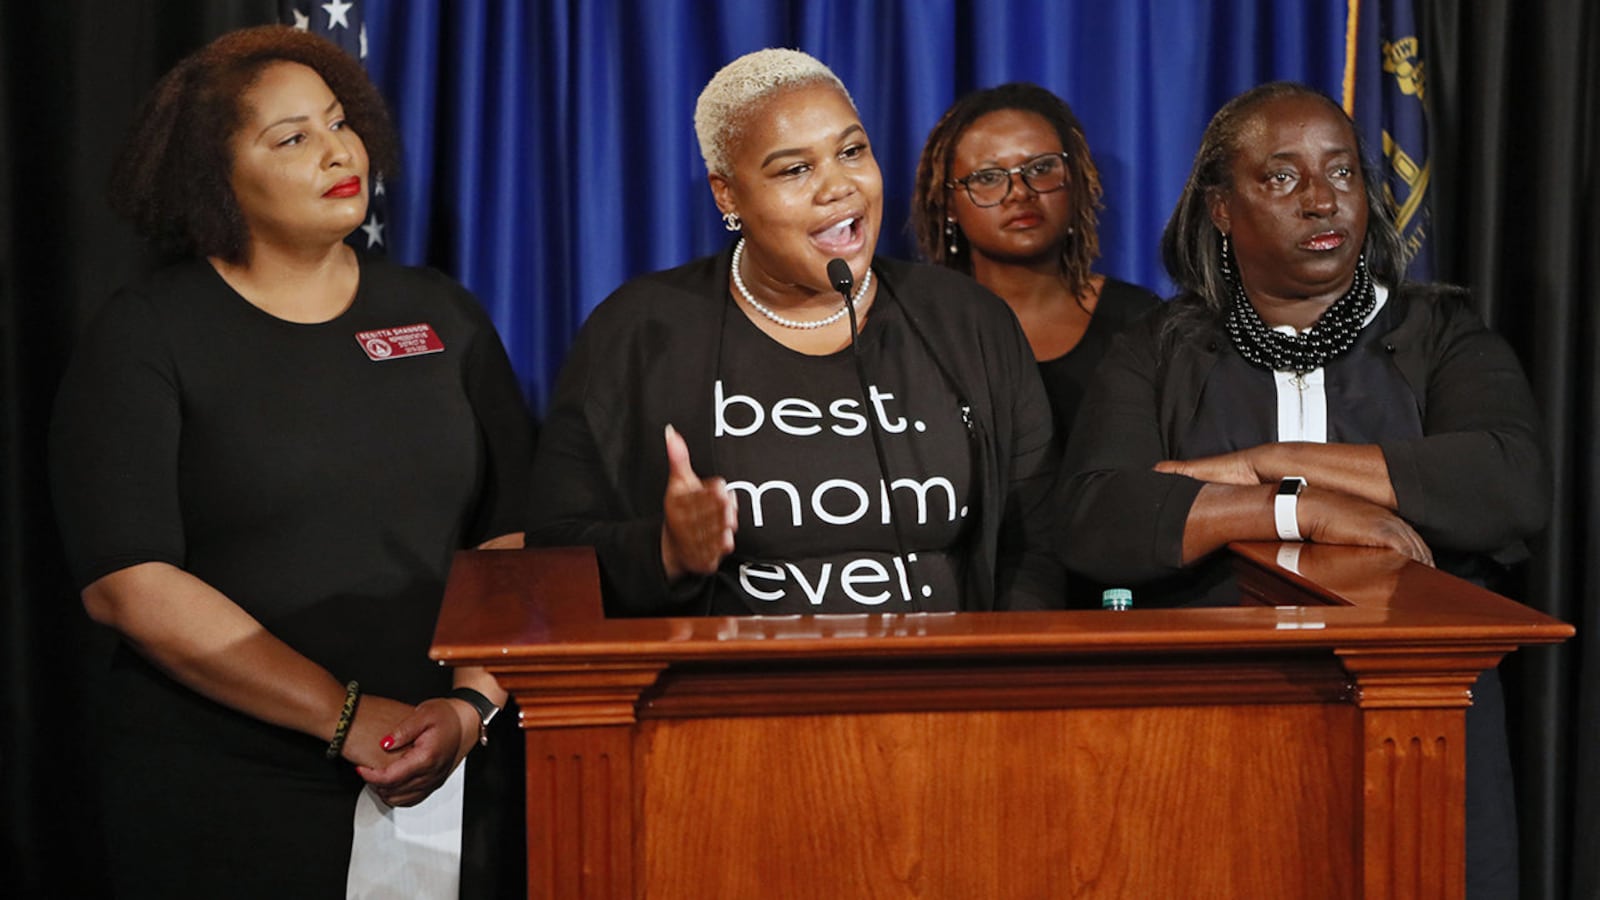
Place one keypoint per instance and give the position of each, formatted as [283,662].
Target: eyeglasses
[1042,174]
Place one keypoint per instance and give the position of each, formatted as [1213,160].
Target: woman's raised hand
[699,517]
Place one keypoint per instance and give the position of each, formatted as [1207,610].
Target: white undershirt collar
[1303,399]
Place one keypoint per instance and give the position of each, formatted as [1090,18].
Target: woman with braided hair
[1008,193]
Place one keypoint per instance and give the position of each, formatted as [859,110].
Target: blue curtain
[550,149]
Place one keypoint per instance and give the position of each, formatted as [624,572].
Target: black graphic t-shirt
[792,439]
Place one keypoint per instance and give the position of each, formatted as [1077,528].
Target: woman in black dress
[1008,193]
[263,457]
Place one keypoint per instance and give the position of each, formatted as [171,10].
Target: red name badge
[394,343]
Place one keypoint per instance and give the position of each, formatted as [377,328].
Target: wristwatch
[1286,506]
[486,710]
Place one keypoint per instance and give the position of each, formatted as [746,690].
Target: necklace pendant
[1299,380]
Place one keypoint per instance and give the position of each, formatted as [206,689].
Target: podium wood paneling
[1308,743]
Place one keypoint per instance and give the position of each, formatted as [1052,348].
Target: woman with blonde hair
[797,425]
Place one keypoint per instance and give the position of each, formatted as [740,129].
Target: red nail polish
[387,742]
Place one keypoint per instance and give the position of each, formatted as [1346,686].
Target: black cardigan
[647,357]
[1475,481]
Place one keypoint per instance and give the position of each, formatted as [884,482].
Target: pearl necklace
[1330,337]
[738,282]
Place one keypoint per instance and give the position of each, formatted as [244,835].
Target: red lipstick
[347,188]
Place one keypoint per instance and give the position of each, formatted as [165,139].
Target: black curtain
[71,76]
[1514,90]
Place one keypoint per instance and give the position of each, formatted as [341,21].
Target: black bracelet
[485,707]
[352,699]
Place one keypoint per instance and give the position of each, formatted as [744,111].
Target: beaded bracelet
[352,699]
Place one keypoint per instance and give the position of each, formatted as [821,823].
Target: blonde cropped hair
[730,95]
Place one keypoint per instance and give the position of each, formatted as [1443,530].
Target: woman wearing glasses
[1007,193]
[902,469]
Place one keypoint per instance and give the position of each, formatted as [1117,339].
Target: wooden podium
[1307,743]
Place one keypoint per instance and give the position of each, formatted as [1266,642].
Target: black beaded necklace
[1334,332]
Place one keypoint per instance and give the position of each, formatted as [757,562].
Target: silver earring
[730,221]
[950,235]
[1227,256]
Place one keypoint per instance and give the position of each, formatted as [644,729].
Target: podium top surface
[525,607]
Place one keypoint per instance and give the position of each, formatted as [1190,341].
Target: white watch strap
[1285,513]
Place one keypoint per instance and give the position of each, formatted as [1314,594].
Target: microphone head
[839,274]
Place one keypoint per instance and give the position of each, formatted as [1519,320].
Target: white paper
[408,853]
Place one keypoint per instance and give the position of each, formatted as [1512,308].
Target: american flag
[342,22]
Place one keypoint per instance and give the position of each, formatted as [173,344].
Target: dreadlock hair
[1190,243]
[173,179]
[930,204]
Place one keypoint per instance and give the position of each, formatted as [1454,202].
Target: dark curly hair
[173,177]
[1190,244]
[930,202]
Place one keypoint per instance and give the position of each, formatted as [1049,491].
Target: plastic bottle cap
[1116,598]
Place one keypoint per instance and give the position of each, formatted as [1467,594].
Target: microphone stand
[843,281]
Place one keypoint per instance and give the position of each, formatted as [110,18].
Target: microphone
[843,281]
